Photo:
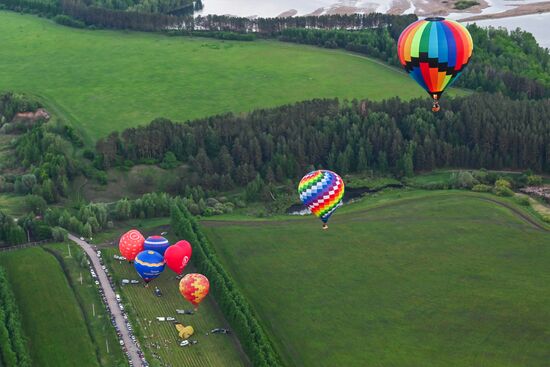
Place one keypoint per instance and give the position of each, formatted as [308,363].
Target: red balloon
[131,244]
[178,255]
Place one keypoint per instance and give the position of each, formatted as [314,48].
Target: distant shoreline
[521,9]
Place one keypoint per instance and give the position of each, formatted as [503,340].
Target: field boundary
[257,223]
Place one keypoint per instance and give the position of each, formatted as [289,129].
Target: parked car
[170,319]
[184,343]
[220,331]
[133,281]
[125,281]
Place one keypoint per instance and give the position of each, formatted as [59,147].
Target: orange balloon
[194,287]
[131,244]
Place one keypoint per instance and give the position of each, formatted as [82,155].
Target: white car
[121,342]
[96,282]
[99,254]
[170,319]
[184,343]
[117,296]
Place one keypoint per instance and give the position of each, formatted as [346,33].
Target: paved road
[111,299]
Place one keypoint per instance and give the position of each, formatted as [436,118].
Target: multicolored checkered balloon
[322,192]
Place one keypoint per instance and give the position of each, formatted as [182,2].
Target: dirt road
[111,299]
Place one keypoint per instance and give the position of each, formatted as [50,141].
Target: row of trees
[13,344]
[391,136]
[273,26]
[232,303]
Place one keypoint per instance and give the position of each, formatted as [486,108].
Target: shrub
[481,188]
[546,218]
[504,191]
[534,180]
[522,200]
[68,21]
[503,188]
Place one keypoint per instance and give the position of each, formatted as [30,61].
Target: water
[537,24]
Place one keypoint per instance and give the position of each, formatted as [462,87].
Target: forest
[393,136]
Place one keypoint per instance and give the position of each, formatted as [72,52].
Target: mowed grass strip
[434,280]
[103,81]
[161,338]
[51,317]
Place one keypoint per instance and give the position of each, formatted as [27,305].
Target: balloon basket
[325,227]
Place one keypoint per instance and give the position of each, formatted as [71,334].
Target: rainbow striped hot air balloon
[156,243]
[321,191]
[149,264]
[434,52]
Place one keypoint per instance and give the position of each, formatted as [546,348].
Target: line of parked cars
[123,313]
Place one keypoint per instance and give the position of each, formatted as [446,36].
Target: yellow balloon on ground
[184,332]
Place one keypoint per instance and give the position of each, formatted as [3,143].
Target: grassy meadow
[399,279]
[50,314]
[102,81]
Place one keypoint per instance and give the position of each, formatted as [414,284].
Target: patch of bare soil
[288,13]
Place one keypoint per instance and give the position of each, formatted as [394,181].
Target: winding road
[111,299]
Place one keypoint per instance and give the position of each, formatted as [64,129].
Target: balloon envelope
[434,52]
[149,264]
[131,244]
[177,256]
[321,191]
[194,287]
[156,243]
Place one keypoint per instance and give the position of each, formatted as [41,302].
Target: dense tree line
[13,344]
[232,303]
[273,26]
[508,62]
[392,136]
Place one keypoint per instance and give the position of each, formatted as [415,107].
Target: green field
[51,316]
[87,293]
[144,307]
[105,80]
[402,279]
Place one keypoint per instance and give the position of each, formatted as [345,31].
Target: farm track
[260,223]
[111,300]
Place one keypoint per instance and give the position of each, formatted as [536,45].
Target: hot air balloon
[177,256]
[434,52]
[156,243]
[321,191]
[194,287]
[149,264]
[131,244]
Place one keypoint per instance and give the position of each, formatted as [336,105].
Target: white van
[161,318]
